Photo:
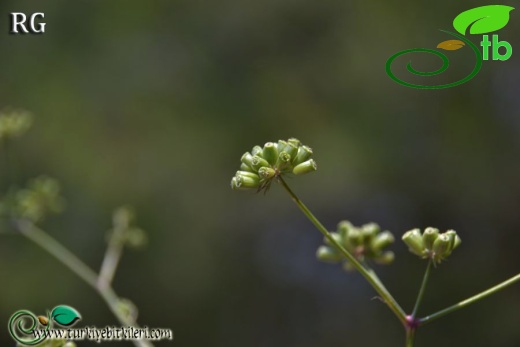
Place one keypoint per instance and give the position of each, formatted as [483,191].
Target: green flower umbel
[365,242]
[41,197]
[263,164]
[14,123]
[431,244]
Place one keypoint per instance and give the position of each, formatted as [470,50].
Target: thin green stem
[422,289]
[368,274]
[373,274]
[67,258]
[112,257]
[469,301]
[410,337]
[61,253]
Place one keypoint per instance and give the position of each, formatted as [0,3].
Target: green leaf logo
[482,20]
[65,315]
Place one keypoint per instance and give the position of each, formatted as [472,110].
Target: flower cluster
[123,230]
[431,244]
[14,124]
[365,242]
[38,199]
[260,166]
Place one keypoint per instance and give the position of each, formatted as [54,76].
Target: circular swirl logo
[479,20]
[25,322]
[28,329]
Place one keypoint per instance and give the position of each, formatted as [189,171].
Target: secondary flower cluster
[14,123]
[365,242]
[40,198]
[124,231]
[432,244]
[260,166]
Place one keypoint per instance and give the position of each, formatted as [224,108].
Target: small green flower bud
[126,308]
[385,258]
[123,217]
[369,231]
[283,159]
[270,152]
[14,123]
[245,167]
[258,162]
[246,181]
[136,238]
[457,242]
[234,184]
[335,236]
[452,235]
[414,241]
[371,228]
[291,149]
[328,254]
[354,238]
[257,150]
[304,153]
[441,247]
[305,167]
[266,173]
[381,241]
[247,159]
[429,237]
[281,145]
[344,227]
[48,187]
[248,174]
[294,141]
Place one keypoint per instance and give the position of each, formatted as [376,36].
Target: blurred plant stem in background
[121,308]
[26,207]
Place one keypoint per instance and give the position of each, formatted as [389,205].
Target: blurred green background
[152,103]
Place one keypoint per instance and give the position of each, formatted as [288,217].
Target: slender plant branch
[375,276]
[372,273]
[54,248]
[410,337]
[67,258]
[368,274]
[422,289]
[112,257]
[469,301]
